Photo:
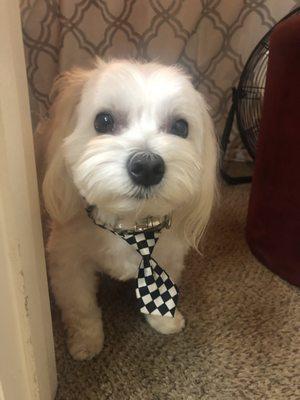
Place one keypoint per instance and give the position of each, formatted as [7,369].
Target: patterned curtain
[212,39]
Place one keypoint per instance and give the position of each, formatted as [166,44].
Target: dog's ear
[197,214]
[61,198]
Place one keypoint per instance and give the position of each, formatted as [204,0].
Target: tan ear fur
[61,198]
[197,214]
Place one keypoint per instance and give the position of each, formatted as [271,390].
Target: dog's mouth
[142,193]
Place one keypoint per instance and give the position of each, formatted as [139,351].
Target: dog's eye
[104,123]
[180,128]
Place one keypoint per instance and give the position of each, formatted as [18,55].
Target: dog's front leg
[167,325]
[74,284]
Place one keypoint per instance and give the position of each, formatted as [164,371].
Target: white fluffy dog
[101,120]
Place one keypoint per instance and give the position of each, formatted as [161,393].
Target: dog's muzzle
[146,168]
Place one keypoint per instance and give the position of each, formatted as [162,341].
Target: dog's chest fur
[110,254]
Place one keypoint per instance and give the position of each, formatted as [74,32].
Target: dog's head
[133,139]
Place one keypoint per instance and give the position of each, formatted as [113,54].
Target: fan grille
[250,94]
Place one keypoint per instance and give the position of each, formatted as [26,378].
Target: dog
[135,140]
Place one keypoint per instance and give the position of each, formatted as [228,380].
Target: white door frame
[27,362]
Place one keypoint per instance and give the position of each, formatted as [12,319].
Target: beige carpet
[240,341]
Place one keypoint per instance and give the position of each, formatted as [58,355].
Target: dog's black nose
[146,168]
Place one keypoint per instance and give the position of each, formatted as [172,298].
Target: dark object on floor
[247,101]
[273,228]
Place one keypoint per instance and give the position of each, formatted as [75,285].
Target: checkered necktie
[156,293]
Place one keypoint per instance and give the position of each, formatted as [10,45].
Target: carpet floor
[240,341]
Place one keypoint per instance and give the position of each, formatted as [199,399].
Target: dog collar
[155,223]
[155,292]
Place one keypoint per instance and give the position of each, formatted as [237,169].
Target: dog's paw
[85,345]
[167,325]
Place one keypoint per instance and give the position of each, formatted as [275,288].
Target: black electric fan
[247,101]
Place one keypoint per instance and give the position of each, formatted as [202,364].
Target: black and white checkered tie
[155,291]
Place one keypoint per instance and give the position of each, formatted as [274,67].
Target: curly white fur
[81,163]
